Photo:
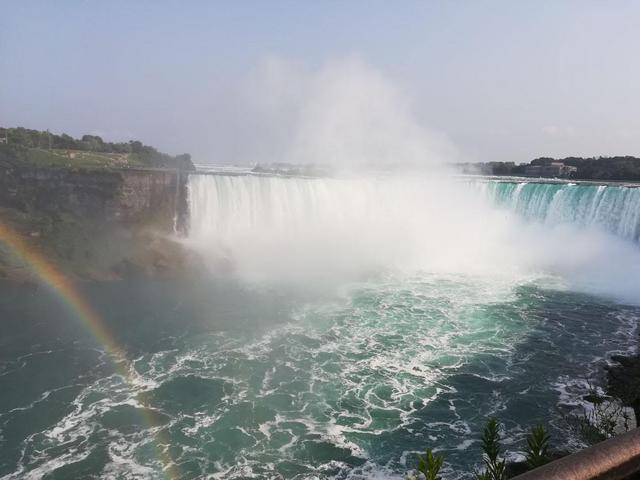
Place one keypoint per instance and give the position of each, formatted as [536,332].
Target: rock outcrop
[97,223]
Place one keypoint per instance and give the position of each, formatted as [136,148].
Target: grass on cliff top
[14,156]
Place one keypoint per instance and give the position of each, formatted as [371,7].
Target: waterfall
[310,227]
[328,231]
[613,208]
[221,205]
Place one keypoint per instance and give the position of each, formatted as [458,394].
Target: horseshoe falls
[338,327]
[292,230]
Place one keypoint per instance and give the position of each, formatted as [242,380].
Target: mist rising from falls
[313,230]
[307,231]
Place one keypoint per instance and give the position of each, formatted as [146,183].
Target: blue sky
[500,80]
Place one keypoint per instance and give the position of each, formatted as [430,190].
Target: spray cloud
[333,230]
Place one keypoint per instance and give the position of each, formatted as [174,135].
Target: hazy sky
[232,81]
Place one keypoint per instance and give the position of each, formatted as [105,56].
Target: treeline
[621,168]
[625,168]
[21,138]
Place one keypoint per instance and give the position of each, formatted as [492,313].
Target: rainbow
[64,288]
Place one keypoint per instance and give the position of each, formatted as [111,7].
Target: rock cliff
[96,223]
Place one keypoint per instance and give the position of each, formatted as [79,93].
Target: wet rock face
[58,192]
[156,196]
[94,222]
[128,197]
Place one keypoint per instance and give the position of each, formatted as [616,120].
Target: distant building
[553,169]
[4,140]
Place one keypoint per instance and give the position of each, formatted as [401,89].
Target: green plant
[494,467]
[429,465]
[537,447]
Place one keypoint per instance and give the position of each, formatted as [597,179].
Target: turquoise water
[252,385]
[613,208]
[292,380]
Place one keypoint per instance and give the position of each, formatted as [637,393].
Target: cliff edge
[96,223]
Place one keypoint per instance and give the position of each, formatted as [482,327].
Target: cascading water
[307,229]
[613,208]
[303,229]
[224,204]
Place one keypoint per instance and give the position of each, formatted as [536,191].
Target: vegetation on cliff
[25,147]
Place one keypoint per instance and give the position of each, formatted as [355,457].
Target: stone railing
[615,459]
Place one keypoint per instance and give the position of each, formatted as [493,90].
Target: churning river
[342,326]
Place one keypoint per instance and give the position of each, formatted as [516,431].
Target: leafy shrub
[495,468]
[537,450]
[430,465]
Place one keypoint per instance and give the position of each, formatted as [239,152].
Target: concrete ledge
[613,459]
